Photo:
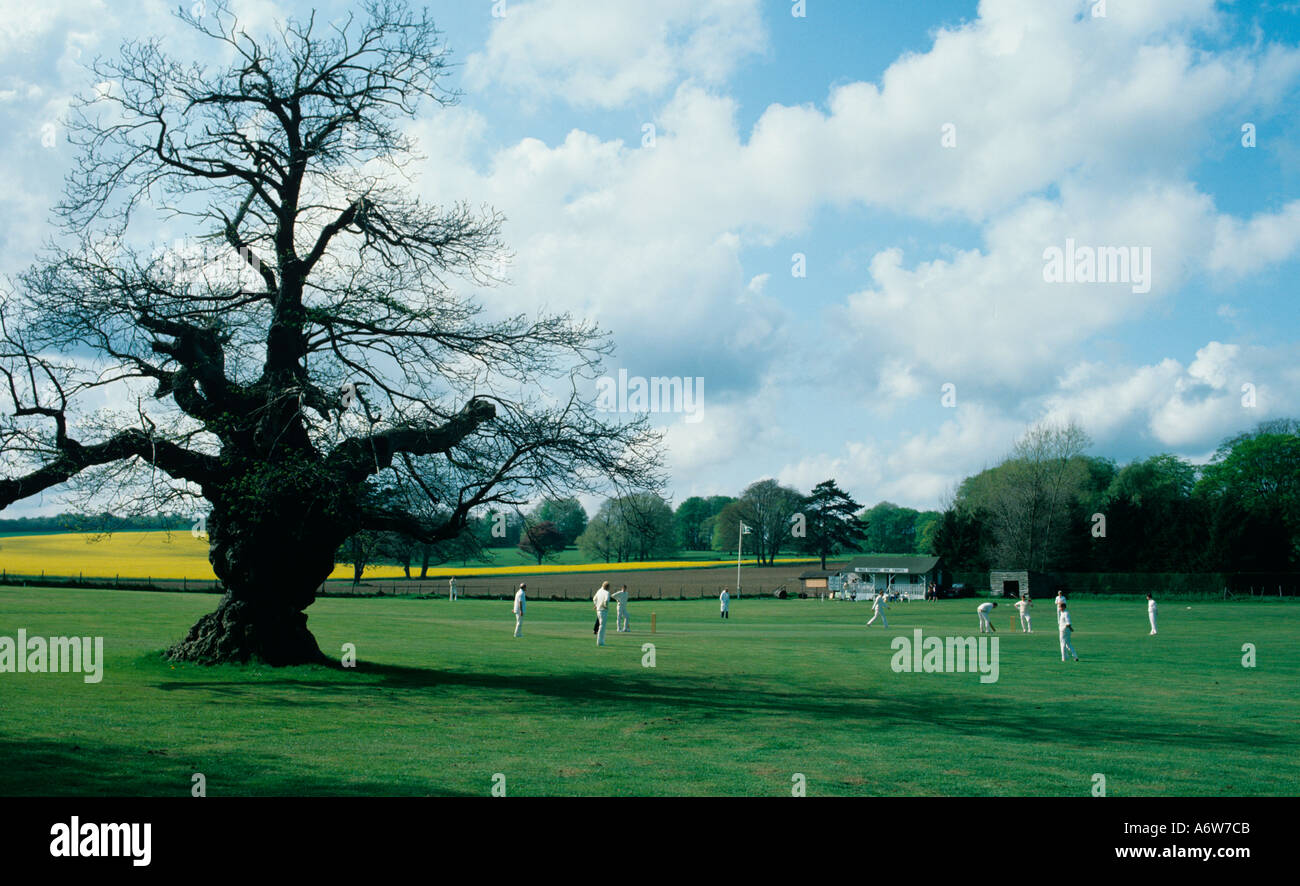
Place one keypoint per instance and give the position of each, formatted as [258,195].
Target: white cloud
[1243,247]
[601,54]
[916,468]
[1035,95]
[1177,406]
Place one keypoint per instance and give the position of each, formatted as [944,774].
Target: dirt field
[641,585]
[656,584]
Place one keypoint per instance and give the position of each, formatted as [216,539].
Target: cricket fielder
[1063,622]
[601,602]
[1151,613]
[451,589]
[1024,604]
[725,599]
[620,597]
[986,626]
[521,602]
[878,606]
[1060,598]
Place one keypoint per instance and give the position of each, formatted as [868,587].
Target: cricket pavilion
[861,578]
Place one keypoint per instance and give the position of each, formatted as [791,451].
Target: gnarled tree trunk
[271,570]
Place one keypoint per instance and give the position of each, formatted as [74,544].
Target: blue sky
[822,135]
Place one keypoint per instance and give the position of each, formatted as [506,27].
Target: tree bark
[271,573]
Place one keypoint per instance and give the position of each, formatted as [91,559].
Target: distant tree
[690,518]
[361,549]
[648,522]
[1254,478]
[725,534]
[960,539]
[925,525]
[630,527]
[1152,522]
[1032,498]
[830,522]
[891,529]
[462,549]
[568,515]
[601,539]
[400,549]
[499,528]
[768,509]
[542,540]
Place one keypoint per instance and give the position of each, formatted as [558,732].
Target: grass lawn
[444,697]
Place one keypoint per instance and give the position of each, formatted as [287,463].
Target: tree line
[1049,506]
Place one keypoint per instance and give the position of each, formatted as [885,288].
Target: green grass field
[444,697]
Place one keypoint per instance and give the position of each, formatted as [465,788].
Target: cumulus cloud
[912,466]
[1182,407]
[592,53]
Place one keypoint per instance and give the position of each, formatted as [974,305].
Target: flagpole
[740,543]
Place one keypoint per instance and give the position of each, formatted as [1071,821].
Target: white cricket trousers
[985,626]
[1025,624]
[1152,616]
[519,624]
[600,633]
[880,614]
[1066,646]
[621,624]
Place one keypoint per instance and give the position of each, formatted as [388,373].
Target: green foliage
[830,523]
[727,712]
[541,540]
[695,518]
[1240,514]
[630,527]
[568,515]
[961,538]
[890,529]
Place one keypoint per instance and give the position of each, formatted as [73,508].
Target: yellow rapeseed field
[177,555]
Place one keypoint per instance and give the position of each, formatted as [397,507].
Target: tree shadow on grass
[81,768]
[742,698]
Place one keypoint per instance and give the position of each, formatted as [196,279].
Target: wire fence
[559,587]
[581,587]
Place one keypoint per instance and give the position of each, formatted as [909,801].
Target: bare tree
[768,508]
[337,351]
[1029,501]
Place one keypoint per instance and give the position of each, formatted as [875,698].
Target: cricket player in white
[1060,598]
[878,606]
[601,601]
[986,626]
[451,589]
[725,599]
[520,603]
[620,597]
[1151,613]
[1063,622]
[1023,604]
